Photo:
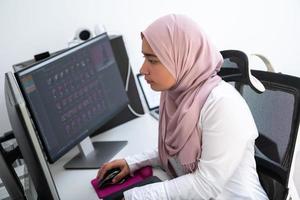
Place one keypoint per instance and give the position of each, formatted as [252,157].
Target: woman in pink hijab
[206,130]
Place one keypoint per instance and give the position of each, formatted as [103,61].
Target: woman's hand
[120,163]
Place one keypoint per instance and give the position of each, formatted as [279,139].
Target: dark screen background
[72,96]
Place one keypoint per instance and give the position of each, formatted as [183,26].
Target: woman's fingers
[99,171]
[111,165]
[120,176]
[104,169]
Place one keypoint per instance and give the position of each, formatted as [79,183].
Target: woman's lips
[148,81]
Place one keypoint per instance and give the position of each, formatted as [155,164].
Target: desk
[141,134]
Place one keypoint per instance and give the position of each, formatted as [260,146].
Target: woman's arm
[148,158]
[227,127]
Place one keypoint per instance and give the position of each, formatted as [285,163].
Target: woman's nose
[144,70]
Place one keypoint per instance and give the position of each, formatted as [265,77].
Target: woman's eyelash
[150,60]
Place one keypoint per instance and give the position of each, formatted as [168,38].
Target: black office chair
[276,112]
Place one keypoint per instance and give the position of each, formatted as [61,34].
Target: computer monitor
[70,96]
[28,143]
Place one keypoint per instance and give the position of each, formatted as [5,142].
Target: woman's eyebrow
[149,54]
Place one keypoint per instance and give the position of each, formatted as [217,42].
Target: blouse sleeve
[148,158]
[227,126]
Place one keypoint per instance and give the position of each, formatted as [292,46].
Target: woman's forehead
[146,49]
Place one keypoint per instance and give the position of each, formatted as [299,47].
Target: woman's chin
[154,88]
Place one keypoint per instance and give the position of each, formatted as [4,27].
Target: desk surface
[141,134]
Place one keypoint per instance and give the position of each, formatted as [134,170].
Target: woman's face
[156,74]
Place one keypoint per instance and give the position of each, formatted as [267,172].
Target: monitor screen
[72,94]
[152,97]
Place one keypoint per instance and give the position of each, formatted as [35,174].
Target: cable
[133,112]
[126,88]
[128,76]
[266,61]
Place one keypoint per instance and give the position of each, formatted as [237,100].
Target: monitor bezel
[51,157]
[28,141]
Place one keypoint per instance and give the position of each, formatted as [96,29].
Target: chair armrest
[270,168]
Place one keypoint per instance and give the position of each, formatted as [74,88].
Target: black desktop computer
[27,140]
[55,104]
[10,178]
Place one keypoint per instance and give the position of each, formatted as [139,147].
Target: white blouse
[226,169]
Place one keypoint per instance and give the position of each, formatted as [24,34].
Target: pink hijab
[184,49]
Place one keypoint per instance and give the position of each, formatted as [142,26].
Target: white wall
[270,27]
[33,26]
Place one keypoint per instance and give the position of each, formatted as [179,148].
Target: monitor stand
[93,155]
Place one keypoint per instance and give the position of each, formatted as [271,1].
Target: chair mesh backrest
[275,111]
[276,114]
[273,115]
